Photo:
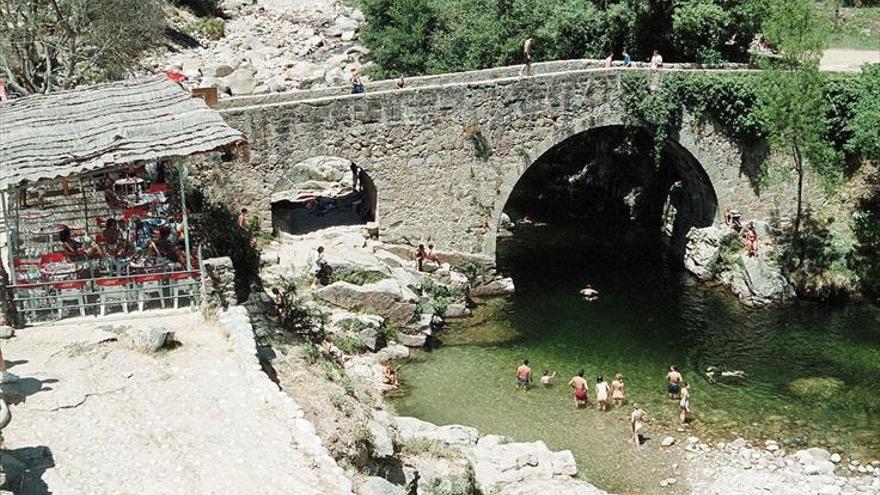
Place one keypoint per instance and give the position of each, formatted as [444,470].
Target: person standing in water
[524,375]
[673,382]
[636,422]
[618,390]
[684,404]
[579,388]
[601,394]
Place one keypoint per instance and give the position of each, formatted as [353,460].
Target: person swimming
[589,293]
[546,378]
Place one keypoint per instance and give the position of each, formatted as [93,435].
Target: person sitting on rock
[421,255]
[390,376]
[330,351]
[430,255]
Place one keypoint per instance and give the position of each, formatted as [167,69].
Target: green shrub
[729,248]
[350,344]
[309,353]
[211,28]
[356,277]
[424,446]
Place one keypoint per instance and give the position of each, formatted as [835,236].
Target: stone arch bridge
[446,151]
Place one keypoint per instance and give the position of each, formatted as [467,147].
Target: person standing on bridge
[357,84]
[627,60]
[527,51]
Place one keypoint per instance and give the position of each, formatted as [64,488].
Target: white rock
[217,70]
[668,441]
[835,458]
[240,82]
[693,440]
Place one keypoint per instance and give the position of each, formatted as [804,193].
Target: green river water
[649,315]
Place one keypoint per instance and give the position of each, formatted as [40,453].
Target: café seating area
[101,243]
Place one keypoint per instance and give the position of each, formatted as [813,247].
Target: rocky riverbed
[268,46]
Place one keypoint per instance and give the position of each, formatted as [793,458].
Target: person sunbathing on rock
[389,375]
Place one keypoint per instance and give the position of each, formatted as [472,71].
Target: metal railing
[41,301]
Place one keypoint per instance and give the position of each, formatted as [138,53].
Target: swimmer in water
[589,293]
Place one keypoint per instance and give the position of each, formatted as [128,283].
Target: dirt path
[97,417]
[840,59]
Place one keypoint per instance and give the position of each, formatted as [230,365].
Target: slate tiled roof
[71,132]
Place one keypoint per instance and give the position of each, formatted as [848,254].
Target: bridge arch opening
[606,183]
[321,192]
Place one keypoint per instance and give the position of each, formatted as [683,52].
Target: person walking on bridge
[527,51]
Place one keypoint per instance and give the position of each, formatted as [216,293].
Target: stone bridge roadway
[416,144]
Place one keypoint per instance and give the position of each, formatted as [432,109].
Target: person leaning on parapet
[399,83]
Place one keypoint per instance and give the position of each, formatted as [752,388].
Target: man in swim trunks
[579,388]
[524,375]
[673,382]
[527,52]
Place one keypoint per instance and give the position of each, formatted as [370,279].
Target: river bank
[695,466]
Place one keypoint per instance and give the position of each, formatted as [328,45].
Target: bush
[356,277]
[211,28]
[729,248]
[200,7]
[350,344]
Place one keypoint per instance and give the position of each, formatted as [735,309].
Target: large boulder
[495,288]
[149,340]
[554,486]
[217,70]
[375,485]
[415,429]
[240,82]
[383,446]
[442,474]
[758,283]
[702,246]
[385,297]
[498,463]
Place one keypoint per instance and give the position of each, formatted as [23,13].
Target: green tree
[399,34]
[792,103]
[864,125]
[57,44]
[699,29]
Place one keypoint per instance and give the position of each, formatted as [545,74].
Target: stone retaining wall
[235,324]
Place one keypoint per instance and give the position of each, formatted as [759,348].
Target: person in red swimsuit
[579,388]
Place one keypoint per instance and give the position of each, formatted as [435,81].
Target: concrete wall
[431,183]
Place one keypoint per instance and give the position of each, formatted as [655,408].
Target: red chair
[148,284]
[53,257]
[140,211]
[110,290]
[70,290]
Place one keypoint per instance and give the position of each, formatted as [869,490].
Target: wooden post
[181,172]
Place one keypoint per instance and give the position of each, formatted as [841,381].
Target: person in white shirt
[656,60]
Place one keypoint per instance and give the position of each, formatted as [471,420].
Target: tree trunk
[797,248]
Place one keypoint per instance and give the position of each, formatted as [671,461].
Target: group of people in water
[615,391]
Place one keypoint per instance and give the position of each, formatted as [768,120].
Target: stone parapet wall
[542,68]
